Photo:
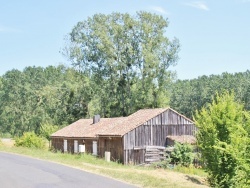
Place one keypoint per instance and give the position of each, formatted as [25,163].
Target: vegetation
[127,59]
[30,140]
[46,130]
[187,96]
[38,96]
[223,138]
[182,154]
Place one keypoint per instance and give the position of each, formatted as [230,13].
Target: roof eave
[107,135]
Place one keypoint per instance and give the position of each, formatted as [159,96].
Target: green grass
[190,170]
[140,176]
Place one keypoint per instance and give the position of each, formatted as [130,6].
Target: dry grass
[140,176]
[8,142]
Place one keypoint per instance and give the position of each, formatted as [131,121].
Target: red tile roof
[131,122]
[84,128]
[109,126]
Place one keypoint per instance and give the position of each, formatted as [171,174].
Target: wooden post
[151,127]
[125,154]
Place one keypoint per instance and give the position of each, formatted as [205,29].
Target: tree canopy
[127,58]
[37,95]
[187,96]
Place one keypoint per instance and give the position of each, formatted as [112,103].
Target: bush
[163,164]
[224,138]
[182,154]
[30,140]
[47,129]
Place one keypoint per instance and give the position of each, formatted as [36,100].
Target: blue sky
[214,35]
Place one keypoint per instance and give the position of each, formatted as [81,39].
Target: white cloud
[198,4]
[159,10]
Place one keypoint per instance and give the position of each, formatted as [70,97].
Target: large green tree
[223,139]
[127,58]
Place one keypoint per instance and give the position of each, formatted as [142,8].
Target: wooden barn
[128,139]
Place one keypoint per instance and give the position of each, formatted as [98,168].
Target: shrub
[30,140]
[223,139]
[163,164]
[182,154]
[47,129]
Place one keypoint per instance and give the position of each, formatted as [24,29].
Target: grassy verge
[140,176]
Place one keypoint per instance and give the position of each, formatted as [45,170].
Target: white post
[151,131]
[75,146]
[94,147]
[65,146]
[81,148]
[107,156]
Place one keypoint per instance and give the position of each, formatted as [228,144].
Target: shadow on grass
[194,180]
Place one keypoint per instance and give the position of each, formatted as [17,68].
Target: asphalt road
[23,172]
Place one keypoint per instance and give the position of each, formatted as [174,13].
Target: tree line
[60,95]
[37,96]
[187,96]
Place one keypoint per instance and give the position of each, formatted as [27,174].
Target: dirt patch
[8,142]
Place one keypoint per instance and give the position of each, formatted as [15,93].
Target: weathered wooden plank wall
[58,142]
[154,133]
[113,145]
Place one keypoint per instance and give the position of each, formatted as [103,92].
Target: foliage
[36,96]
[223,139]
[47,129]
[162,164]
[127,59]
[182,154]
[165,164]
[187,96]
[30,140]
[5,135]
